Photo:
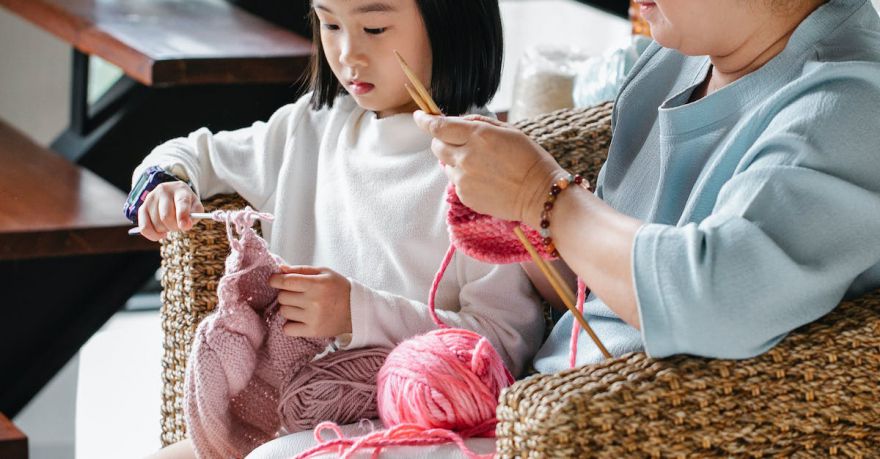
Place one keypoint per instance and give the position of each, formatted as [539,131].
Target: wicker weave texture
[577,138]
[815,395]
[192,263]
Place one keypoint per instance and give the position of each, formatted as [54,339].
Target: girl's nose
[352,53]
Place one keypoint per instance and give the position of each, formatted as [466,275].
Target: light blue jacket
[763,198]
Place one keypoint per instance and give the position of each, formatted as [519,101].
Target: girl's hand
[167,208]
[496,169]
[315,301]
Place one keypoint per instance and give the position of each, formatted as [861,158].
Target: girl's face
[704,27]
[359,39]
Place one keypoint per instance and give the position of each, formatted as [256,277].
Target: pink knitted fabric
[492,240]
[241,359]
[487,238]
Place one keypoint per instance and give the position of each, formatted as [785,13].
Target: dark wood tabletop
[172,42]
[51,207]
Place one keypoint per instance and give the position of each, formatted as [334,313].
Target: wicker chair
[815,394]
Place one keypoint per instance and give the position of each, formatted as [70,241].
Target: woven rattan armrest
[814,395]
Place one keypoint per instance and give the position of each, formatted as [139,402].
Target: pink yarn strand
[436,284]
[399,435]
[575,327]
[241,219]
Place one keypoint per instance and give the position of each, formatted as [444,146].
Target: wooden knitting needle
[420,89]
[195,216]
[423,99]
[417,98]
[560,290]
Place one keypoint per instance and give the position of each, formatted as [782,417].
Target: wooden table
[171,42]
[13,443]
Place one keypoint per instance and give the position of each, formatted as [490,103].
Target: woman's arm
[499,171]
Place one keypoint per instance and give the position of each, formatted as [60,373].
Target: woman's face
[359,39]
[704,27]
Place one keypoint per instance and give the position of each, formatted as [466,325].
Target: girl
[741,196]
[357,196]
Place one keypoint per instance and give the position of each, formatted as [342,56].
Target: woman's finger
[486,119]
[451,130]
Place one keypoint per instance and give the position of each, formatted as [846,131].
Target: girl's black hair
[467,46]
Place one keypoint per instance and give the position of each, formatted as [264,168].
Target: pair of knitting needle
[426,103]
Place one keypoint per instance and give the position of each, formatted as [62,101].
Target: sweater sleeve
[245,161]
[496,301]
[789,233]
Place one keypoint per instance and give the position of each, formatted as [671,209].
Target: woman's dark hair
[467,46]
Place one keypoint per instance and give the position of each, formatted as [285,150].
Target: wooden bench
[67,263]
[50,207]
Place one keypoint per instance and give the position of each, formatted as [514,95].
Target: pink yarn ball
[446,379]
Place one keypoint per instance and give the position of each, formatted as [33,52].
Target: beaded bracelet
[555,189]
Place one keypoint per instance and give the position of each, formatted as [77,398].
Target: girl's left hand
[496,169]
[315,301]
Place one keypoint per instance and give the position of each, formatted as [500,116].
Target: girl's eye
[375,31]
[330,26]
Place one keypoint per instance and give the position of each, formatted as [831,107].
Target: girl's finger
[146,225]
[167,217]
[293,299]
[297,329]
[292,313]
[301,269]
[182,205]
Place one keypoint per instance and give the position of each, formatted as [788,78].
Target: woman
[741,196]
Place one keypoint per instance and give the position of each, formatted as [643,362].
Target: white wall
[34,79]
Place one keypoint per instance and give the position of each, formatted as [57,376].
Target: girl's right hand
[167,208]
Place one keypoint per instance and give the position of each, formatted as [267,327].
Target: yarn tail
[575,327]
[436,284]
[399,435]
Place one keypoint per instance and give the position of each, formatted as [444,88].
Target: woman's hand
[497,170]
[167,208]
[315,301]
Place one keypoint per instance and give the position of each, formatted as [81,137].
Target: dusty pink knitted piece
[240,357]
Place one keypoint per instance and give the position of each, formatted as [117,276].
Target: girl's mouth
[646,6]
[359,88]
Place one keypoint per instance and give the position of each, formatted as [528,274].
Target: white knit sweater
[365,197]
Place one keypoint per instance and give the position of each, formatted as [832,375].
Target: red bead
[578,179]
[555,254]
[548,206]
[547,241]
[554,190]
[545,224]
